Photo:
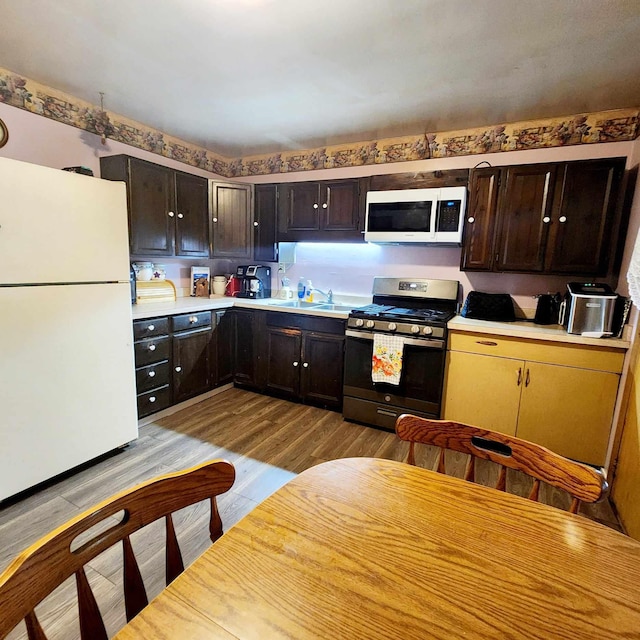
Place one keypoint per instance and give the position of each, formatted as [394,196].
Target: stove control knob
[370,324]
[427,331]
[359,322]
[415,328]
[392,326]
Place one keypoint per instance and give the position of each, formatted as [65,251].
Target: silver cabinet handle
[315,205]
[305,364]
[215,219]
[255,224]
[546,219]
[171,214]
[193,319]
[151,327]
[180,216]
[152,347]
[471,219]
[324,205]
[295,364]
[562,219]
[178,369]
[152,399]
[152,374]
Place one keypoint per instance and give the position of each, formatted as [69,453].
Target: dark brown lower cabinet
[223,347]
[191,363]
[322,365]
[249,326]
[304,358]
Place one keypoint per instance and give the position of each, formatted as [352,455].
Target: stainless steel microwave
[429,216]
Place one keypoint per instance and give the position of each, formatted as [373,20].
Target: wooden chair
[36,572]
[583,483]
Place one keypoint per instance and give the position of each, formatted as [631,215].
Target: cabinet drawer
[151,350]
[570,355]
[154,400]
[150,328]
[188,321]
[151,376]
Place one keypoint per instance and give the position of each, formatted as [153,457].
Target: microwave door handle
[434,209]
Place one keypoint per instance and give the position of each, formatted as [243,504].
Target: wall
[350,268]
[626,482]
[345,268]
[39,140]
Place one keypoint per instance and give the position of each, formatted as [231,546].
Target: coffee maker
[255,281]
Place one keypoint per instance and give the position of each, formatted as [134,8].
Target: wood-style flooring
[267,439]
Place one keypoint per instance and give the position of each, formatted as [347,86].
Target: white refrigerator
[67,381]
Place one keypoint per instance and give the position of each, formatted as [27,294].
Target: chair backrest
[583,483]
[36,572]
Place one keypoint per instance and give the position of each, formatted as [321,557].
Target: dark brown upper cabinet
[231,222]
[265,243]
[320,211]
[168,209]
[556,218]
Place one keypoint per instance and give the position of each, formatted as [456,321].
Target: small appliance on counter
[548,308]
[588,308]
[255,281]
[234,284]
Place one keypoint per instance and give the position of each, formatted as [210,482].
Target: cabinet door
[322,367]
[525,213]
[339,205]
[190,364]
[480,223]
[299,207]
[222,348]
[584,209]
[568,410]
[283,361]
[231,220]
[151,198]
[246,348]
[192,219]
[265,247]
[483,391]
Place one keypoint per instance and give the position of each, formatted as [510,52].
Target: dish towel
[386,362]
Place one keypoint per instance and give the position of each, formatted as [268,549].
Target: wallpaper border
[586,128]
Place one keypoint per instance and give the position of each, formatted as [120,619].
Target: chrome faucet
[328,296]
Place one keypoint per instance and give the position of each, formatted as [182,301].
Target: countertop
[190,305]
[531,331]
[520,329]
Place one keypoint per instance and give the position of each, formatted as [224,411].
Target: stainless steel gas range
[417,310]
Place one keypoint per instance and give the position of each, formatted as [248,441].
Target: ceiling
[241,77]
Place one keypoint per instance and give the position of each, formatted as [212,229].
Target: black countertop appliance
[255,281]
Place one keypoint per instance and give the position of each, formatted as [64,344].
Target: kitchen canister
[219,285]
[159,271]
[144,270]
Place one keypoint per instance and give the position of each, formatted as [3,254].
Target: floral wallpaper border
[606,126]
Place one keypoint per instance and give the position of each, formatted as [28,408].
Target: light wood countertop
[369,548]
[531,331]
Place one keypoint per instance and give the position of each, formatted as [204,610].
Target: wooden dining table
[370,548]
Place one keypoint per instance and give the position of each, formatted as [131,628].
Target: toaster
[588,309]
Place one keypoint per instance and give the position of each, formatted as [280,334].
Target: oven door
[420,388]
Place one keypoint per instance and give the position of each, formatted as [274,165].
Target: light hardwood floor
[268,440]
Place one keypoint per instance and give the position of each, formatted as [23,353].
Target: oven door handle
[413,342]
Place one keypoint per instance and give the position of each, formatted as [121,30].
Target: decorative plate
[4,134]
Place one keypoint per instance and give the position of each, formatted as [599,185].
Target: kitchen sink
[320,306]
[298,304]
[334,307]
